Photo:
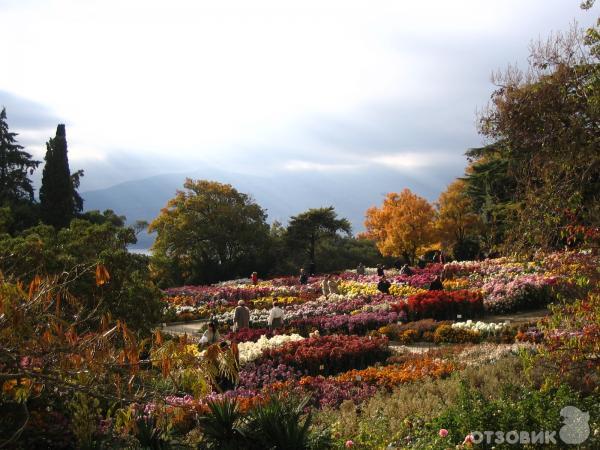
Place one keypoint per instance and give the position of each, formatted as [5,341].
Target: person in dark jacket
[303,277]
[436,284]
[384,285]
[380,271]
[406,270]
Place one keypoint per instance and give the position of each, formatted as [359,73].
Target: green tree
[16,189]
[307,229]
[492,190]
[59,200]
[128,294]
[15,167]
[207,233]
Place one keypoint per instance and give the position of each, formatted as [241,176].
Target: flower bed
[330,354]
[359,323]
[441,305]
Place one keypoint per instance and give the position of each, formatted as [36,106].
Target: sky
[256,87]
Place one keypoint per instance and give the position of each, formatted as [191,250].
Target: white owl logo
[576,428]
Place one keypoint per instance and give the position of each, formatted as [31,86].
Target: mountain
[282,194]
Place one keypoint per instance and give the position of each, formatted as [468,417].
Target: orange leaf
[34,285]
[102,275]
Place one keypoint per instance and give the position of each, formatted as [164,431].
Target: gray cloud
[25,114]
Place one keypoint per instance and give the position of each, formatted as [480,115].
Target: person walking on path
[241,316]
[276,316]
[380,271]
[303,277]
[254,278]
[384,285]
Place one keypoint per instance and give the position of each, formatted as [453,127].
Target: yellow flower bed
[267,302]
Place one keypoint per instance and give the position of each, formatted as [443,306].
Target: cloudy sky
[261,86]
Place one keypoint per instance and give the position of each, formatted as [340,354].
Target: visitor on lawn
[384,285]
[380,271]
[303,277]
[360,269]
[211,335]
[325,285]
[406,270]
[254,278]
[241,316]
[276,316]
[436,284]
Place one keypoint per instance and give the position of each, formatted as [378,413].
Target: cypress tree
[15,167]
[59,200]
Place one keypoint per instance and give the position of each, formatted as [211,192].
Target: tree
[456,221]
[402,226]
[544,127]
[15,167]
[209,232]
[16,189]
[305,230]
[129,294]
[59,200]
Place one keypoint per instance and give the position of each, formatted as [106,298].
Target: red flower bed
[328,355]
[441,305]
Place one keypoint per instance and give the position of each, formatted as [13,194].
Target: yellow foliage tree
[456,218]
[403,226]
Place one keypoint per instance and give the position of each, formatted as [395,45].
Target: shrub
[447,334]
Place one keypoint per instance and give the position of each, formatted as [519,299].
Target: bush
[445,334]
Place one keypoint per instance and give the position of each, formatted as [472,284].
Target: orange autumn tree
[456,220]
[403,226]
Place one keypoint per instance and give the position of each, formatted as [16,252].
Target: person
[276,315]
[384,285]
[380,271]
[333,286]
[303,277]
[312,269]
[406,270]
[254,278]
[241,316]
[360,269]
[325,285]
[211,335]
[436,284]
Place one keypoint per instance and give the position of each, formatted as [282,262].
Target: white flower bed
[249,351]
[481,327]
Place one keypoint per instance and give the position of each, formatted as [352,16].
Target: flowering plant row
[330,354]
[249,351]
[359,323]
[442,305]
